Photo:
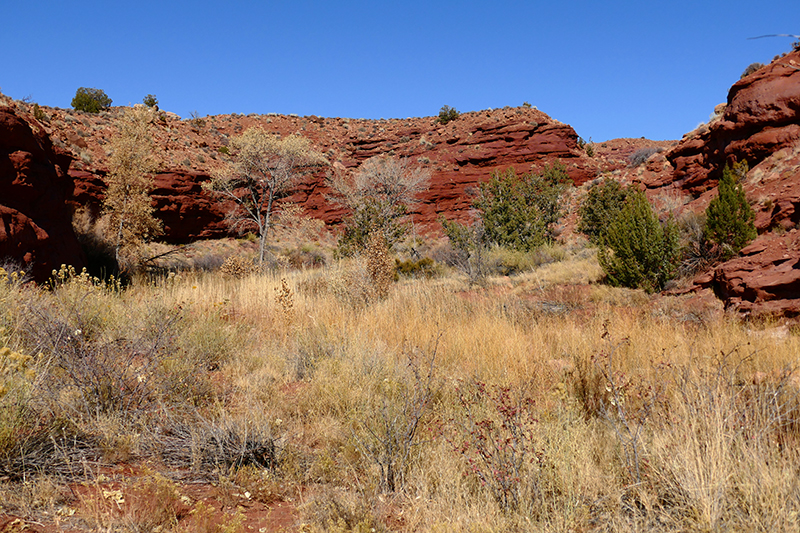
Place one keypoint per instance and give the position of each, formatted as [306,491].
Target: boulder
[764,279]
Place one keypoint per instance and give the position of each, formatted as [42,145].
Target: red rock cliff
[35,220]
[460,154]
[761,124]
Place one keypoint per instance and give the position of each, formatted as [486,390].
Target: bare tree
[127,201]
[378,195]
[265,167]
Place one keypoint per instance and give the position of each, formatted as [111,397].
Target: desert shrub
[469,248]
[17,377]
[91,100]
[587,147]
[447,114]
[99,374]
[697,252]
[391,418]
[422,268]
[520,212]
[638,251]
[237,267]
[640,156]
[150,100]
[494,434]
[224,150]
[39,114]
[602,205]
[196,122]
[752,67]
[378,196]
[729,217]
[367,218]
[218,443]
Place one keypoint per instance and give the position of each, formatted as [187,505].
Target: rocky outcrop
[761,117]
[759,123]
[188,212]
[460,155]
[35,220]
[764,279]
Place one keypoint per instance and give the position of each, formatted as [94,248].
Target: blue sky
[609,69]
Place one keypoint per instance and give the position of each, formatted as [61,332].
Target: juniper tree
[90,100]
[520,212]
[729,217]
[637,250]
[602,205]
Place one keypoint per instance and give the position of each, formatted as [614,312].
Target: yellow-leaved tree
[264,168]
[127,204]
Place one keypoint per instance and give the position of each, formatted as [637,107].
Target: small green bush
[447,114]
[40,115]
[729,217]
[637,251]
[150,100]
[752,67]
[90,100]
[587,147]
[602,205]
[423,268]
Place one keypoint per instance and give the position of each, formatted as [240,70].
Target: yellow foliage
[127,201]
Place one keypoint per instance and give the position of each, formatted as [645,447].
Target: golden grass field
[545,401]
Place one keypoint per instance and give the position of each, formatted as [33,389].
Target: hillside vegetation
[541,402]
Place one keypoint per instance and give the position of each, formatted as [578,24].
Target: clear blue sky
[610,69]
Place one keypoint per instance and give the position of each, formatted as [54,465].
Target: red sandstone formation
[760,123]
[460,155]
[764,279]
[760,118]
[35,222]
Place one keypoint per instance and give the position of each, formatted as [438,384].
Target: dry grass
[295,383]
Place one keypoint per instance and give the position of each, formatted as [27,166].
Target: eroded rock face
[460,155]
[35,220]
[764,279]
[188,212]
[759,123]
[762,116]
